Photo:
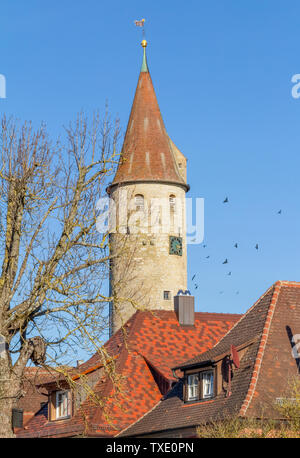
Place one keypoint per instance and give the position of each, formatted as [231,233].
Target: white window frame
[193,387]
[66,404]
[207,384]
[200,385]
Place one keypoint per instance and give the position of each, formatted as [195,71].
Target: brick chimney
[184,306]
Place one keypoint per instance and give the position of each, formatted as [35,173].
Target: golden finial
[144,43]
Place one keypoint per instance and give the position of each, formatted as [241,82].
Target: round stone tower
[148,243]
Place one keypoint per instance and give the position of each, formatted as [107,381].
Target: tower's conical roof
[147,153]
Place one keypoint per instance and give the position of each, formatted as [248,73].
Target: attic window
[207,384]
[63,404]
[200,386]
[193,387]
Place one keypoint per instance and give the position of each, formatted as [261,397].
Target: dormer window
[207,384]
[62,404]
[193,387]
[139,202]
[200,386]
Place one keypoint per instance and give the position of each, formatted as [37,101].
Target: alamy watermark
[2,87]
[156,216]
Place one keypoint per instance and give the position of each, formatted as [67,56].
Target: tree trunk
[6,429]
[9,389]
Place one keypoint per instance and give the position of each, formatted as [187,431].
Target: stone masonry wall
[143,268]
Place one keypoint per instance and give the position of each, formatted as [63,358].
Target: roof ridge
[245,314]
[296,284]
[262,344]
[124,333]
[148,362]
[235,324]
[135,321]
[221,313]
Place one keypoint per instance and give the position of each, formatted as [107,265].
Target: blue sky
[222,73]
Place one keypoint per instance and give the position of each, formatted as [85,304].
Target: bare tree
[54,262]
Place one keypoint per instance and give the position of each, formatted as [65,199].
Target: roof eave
[130,182]
[198,364]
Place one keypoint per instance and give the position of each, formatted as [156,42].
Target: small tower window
[172,201]
[139,202]
[167,295]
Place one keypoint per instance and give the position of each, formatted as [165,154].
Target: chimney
[184,306]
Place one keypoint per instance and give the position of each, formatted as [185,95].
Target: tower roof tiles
[147,153]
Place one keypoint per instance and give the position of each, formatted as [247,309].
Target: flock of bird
[225,201]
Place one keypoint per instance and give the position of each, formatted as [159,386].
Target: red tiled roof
[275,364]
[155,342]
[267,363]
[147,154]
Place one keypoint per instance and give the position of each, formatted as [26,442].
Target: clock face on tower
[176,245]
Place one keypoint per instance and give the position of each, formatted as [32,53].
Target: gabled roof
[154,343]
[266,330]
[158,336]
[249,326]
[147,154]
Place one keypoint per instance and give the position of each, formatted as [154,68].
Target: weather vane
[141,24]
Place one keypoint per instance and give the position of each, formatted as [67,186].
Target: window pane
[167,295]
[207,384]
[193,386]
[65,405]
[62,404]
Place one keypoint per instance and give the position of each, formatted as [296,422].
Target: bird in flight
[207,257]
[196,286]
[226,261]
[193,277]
[229,273]
[225,200]
[256,246]
[279,213]
[204,246]
[236,245]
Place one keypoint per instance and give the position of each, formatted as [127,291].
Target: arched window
[139,202]
[172,201]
